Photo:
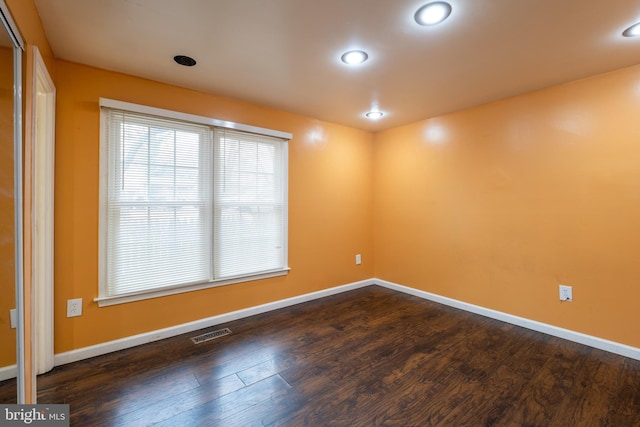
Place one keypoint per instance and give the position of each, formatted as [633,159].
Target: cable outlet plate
[566,293]
[74,307]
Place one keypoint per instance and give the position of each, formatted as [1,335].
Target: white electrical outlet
[566,293]
[358,259]
[14,318]
[74,307]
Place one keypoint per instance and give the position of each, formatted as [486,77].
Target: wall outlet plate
[74,307]
[358,259]
[566,293]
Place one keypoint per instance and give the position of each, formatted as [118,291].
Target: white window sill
[156,293]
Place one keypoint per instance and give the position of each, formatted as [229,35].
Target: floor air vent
[211,335]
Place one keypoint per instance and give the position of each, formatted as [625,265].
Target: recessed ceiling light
[433,13]
[354,57]
[374,115]
[632,31]
[187,61]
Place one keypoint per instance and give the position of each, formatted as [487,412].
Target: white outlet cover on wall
[74,307]
[566,293]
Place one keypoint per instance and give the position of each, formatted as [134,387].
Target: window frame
[105,300]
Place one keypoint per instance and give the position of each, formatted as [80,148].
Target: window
[187,204]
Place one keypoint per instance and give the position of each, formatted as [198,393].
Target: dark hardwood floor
[362,358]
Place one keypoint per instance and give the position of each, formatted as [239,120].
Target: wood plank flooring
[362,358]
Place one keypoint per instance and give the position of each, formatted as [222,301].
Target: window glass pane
[159,204]
[249,207]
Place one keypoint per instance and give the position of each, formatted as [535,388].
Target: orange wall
[27,18]
[7,233]
[330,203]
[498,204]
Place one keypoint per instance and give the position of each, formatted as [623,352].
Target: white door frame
[44,104]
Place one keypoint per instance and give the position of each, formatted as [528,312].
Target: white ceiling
[285,53]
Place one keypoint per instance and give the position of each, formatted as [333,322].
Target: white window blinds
[188,204]
[249,204]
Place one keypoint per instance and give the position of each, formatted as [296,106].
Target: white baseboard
[591,341]
[8,372]
[121,344]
